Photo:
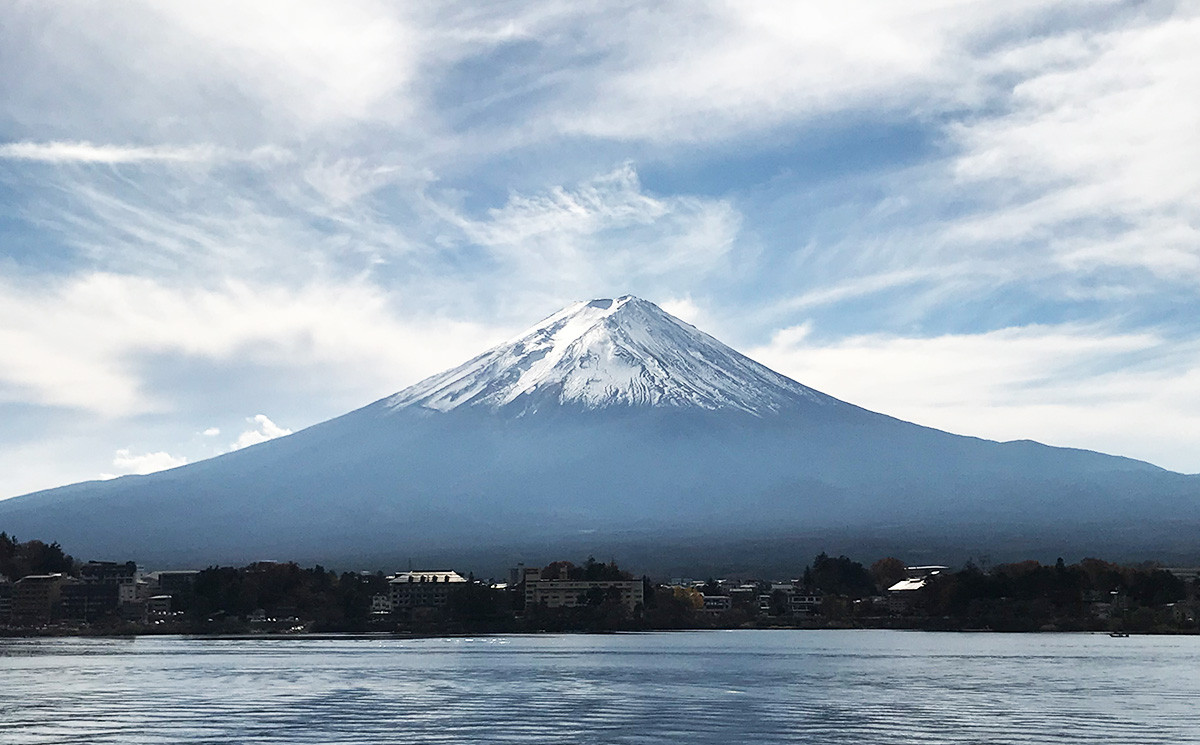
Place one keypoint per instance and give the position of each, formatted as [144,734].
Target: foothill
[45,591]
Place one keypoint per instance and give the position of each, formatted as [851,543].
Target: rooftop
[443,575]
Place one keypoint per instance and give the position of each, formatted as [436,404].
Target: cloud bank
[318,203]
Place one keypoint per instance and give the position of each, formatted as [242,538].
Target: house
[804,603]
[717,603]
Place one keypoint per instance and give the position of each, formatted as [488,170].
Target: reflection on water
[708,687]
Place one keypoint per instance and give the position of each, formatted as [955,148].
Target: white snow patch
[622,351]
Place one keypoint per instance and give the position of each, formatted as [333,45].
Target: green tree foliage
[19,559]
[840,576]
[287,591]
[591,571]
[1028,595]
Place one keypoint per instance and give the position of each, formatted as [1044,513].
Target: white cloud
[211,432]
[1132,394]
[320,60]
[262,429]
[606,232]
[1094,156]
[74,342]
[348,179]
[127,463]
[682,307]
[86,152]
[698,71]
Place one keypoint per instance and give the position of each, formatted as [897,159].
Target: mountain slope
[611,423]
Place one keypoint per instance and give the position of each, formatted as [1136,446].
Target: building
[109,573]
[6,591]
[717,603]
[901,595]
[82,601]
[804,603]
[178,583]
[159,606]
[745,596]
[35,597]
[1187,574]
[381,605]
[409,590]
[569,593]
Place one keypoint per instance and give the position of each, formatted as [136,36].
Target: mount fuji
[612,426]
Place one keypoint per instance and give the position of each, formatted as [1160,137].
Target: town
[43,590]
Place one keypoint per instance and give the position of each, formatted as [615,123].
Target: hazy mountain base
[672,490]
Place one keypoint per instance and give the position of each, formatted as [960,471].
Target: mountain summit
[603,353]
[612,427]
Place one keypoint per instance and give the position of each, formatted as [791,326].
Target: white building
[410,590]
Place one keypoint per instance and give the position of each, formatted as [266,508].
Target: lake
[694,687]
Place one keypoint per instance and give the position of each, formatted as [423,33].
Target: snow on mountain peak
[610,352]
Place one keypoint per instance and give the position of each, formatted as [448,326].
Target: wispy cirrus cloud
[1076,385]
[340,191]
[86,152]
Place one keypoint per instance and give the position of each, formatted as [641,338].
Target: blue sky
[220,221]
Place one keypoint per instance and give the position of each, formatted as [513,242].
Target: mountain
[613,427]
[611,353]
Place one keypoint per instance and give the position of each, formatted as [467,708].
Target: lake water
[703,687]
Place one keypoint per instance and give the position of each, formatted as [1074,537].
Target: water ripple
[719,687]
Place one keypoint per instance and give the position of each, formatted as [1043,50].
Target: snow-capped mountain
[612,427]
[602,353]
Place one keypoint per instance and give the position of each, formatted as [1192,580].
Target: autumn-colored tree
[887,572]
[690,596]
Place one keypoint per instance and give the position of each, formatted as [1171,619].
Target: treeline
[1090,595]
[19,559]
[830,592]
[273,595]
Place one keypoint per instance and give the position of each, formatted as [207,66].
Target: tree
[887,572]
[841,576]
[689,596]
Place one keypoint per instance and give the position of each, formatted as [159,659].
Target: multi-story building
[804,603]
[178,583]
[159,606]
[409,590]
[569,593]
[35,597]
[109,573]
[87,602]
[381,604]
